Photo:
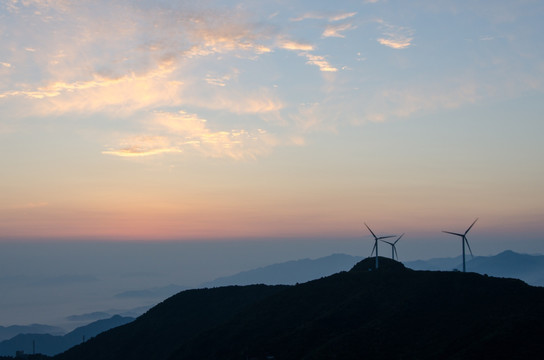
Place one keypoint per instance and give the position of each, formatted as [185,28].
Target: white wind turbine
[463,241]
[394,248]
[376,238]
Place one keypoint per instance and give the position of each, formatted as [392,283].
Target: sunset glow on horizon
[140,120]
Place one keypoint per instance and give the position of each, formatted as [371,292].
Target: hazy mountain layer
[51,345]
[529,268]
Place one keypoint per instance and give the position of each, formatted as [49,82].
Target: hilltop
[389,313]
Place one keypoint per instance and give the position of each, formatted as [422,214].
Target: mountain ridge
[391,312]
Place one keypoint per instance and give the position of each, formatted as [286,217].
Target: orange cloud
[126,93]
[184,131]
[396,43]
[293,45]
[320,62]
[335,30]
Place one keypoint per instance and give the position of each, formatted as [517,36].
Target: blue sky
[139,120]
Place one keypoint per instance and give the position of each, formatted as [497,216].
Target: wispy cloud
[327,16]
[221,80]
[342,16]
[305,50]
[396,37]
[294,45]
[187,132]
[320,62]
[336,30]
[123,94]
[139,146]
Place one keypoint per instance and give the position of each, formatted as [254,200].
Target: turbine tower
[463,241]
[393,247]
[376,238]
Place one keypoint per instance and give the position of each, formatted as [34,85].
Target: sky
[265,131]
[160,120]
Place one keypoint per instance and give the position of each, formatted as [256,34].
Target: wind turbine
[376,238]
[393,248]
[463,241]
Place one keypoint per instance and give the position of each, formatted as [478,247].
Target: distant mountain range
[388,313]
[529,268]
[10,331]
[54,344]
[156,292]
[290,272]
[507,264]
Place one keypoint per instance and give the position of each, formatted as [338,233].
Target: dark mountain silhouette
[51,345]
[389,313]
[10,331]
[160,331]
[290,272]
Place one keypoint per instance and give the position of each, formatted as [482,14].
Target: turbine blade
[387,242]
[449,232]
[395,250]
[466,241]
[398,238]
[375,237]
[373,249]
[470,227]
[386,237]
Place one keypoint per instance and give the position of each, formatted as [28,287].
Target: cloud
[335,30]
[221,80]
[304,50]
[327,16]
[294,45]
[342,16]
[320,62]
[396,43]
[395,37]
[141,63]
[122,95]
[184,132]
[138,146]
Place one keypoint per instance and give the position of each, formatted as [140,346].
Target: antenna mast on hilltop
[463,241]
[376,238]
